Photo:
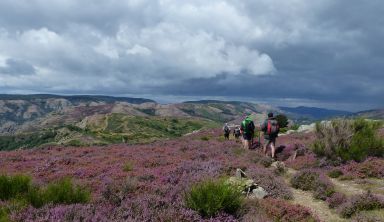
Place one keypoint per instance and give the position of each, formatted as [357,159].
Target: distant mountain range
[314,113]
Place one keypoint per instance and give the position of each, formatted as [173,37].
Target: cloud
[17,67]
[293,49]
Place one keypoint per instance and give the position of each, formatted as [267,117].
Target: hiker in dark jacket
[226,131]
[270,127]
[247,128]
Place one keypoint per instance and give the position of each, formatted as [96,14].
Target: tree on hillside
[282,120]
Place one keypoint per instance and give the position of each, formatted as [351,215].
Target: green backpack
[248,125]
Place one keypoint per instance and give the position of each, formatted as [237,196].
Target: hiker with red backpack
[270,127]
[247,128]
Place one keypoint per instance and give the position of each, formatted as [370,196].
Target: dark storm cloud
[16,67]
[327,51]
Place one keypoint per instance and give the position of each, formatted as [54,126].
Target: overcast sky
[327,53]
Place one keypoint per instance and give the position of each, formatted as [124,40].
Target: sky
[327,53]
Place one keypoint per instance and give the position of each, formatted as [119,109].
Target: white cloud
[139,50]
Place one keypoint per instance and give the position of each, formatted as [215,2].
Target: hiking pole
[259,138]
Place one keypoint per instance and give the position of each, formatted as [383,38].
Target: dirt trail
[351,187]
[318,207]
[347,187]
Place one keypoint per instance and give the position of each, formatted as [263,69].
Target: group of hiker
[270,129]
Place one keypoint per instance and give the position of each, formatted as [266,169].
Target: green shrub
[238,151]
[335,173]
[283,130]
[365,141]
[282,120]
[305,180]
[205,138]
[211,197]
[75,142]
[63,191]
[295,127]
[266,161]
[36,197]
[348,139]
[13,186]
[128,166]
[4,215]
[20,189]
[280,168]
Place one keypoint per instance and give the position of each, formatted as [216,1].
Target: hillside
[18,113]
[103,129]
[148,182]
[35,120]
[371,114]
[30,113]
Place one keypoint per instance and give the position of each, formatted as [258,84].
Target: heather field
[149,182]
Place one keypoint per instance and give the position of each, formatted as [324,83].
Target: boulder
[259,193]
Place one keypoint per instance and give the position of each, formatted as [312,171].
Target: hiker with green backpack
[247,128]
[270,127]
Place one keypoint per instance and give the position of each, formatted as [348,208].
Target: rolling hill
[371,114]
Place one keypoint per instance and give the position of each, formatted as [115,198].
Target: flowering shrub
[210,197]
[252,211]
[324,188]
[281,210]
[315,181]
[303,162]
[336,199]
[359,203]
[152,191]
[266,161]
[284,152]
[371,167]
[275,186]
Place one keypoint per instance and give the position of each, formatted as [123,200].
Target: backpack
[272,127]
[226,129]
[248,126]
